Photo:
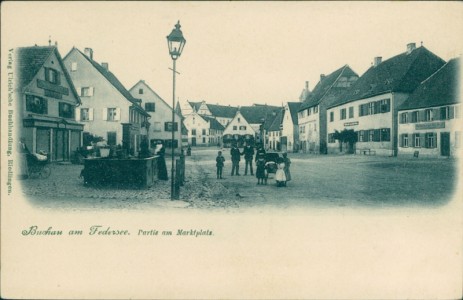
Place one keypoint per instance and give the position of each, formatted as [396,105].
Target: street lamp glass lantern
[176,41]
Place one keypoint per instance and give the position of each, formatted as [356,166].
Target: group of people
[282,174]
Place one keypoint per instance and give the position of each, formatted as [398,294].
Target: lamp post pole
[173,134]
[176,42]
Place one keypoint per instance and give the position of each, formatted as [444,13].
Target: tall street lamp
[176,42]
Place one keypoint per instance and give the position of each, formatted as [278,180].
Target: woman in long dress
[162,168]
[280,175]
[287,162]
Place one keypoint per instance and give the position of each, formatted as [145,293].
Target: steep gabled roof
[214,124]
[156,94]
[277,121]
[401,73]
[29,60]
[222,111]
[326,86]
[195,105]
[114,81]
[293,109]
[441,88]
[256,114]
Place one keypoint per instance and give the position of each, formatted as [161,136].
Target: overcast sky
[236,53]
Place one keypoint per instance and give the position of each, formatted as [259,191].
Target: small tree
[346,136]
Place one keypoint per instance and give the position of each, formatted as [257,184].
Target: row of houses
[403,105]
[66,103]
[407,104]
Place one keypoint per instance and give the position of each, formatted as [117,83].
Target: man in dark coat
[248,155]
[235,158]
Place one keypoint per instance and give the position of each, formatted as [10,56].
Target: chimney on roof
[322,76]
[377,60]
[89,52]
[56,44]
[105,66]
[410,47]
[307,85]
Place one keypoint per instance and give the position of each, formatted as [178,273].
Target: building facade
[430,121]
[108,110]
[248,125]
[160,115]
[367,112]
[275,132]
[290,128]
[47,102]
[312,112]
[203,130]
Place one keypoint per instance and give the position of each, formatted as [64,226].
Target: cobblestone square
[318,181]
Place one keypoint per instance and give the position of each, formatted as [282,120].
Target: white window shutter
[79,90]
[105,114]
[90,114]
[118,114]
[77,114]
[74,66]
[90,91]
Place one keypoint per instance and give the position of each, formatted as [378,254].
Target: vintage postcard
[231,150]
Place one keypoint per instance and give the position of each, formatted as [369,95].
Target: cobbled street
[318,181]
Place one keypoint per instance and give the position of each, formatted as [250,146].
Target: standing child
[219,163]
[280,175]
[260,171]
[287,162]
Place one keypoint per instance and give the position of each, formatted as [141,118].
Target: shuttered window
[362,136]
[343,114]
[376,135]
[415,116]
[430,140]
[404,118]
[404,140]
[351,112]
[416,140]
[444,113]
[385,134]
[52,76]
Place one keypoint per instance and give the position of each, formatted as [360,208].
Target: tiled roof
[256,114]
[214,124]
[29,60]
[277,121]
[293,109]
[326,86]
[195,105]
[222,111]
[178,109]
[401,73]
[440,88]
[114,81]
[184,130]
[269,119]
